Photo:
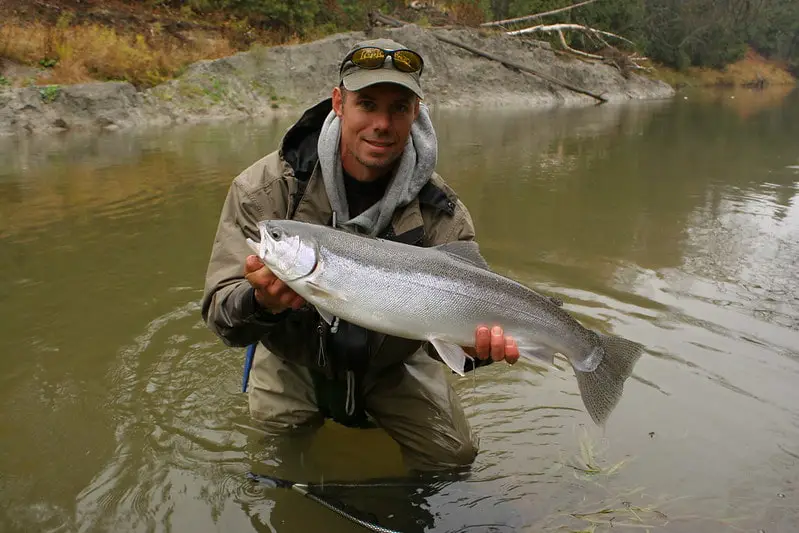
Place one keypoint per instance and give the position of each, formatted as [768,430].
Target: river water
[675,224]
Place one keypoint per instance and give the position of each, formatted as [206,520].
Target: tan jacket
[288,184]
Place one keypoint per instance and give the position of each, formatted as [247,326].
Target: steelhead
[440,295]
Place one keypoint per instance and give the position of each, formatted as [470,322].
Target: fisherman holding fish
[353,321]
[364,158]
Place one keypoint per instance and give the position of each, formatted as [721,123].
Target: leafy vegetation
[299,17]
[49,93]
[684,33]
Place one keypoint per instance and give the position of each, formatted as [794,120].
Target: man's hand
[493,343]
[271,293]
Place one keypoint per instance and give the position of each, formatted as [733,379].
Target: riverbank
[285,79]
[752,71]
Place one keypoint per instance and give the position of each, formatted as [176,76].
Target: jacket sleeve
[228,305]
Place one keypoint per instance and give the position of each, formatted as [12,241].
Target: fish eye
[275,234]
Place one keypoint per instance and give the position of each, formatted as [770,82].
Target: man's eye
[368,105]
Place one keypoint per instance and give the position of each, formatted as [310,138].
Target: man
[363,160]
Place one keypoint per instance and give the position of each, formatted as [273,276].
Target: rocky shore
[286,79]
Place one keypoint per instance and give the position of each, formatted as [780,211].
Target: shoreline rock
[286,79]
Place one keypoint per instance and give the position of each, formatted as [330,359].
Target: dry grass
[749,70]
[75,54]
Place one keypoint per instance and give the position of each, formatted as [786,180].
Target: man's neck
[361,172]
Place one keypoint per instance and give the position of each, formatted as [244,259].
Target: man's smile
[379,144]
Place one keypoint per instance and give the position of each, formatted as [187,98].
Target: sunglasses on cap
[371,57]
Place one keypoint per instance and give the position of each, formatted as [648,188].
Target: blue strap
[247,366]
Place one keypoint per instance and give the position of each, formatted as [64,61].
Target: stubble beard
[376,165]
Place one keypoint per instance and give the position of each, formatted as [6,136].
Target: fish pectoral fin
[328,317]
[322,292]
[452,354]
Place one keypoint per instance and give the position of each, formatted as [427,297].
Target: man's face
[375,124]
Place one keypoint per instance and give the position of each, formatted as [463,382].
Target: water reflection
[674,224]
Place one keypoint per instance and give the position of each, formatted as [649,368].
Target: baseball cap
[356,78]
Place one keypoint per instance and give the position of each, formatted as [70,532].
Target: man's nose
[382,121]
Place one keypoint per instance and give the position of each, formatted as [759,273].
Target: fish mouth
[258,247]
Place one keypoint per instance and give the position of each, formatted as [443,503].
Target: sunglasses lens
[407,61]
[369,57]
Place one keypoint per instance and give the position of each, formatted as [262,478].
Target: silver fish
[440,295]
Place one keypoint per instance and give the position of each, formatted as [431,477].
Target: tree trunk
[499,9]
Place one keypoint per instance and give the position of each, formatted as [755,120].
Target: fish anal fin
[452,354]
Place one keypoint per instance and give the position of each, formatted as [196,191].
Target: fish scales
[438,286]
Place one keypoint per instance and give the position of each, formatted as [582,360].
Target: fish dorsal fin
[468,251]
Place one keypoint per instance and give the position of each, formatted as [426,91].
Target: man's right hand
[270,292]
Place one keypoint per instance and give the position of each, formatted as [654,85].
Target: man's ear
[338,101]
[416,108]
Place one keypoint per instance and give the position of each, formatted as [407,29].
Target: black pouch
[339,391]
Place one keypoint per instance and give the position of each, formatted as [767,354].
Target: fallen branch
[560,27]
[377,16]
[573,51]
[535,16]
[610,55]
[522,68]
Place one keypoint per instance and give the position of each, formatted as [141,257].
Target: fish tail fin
[601,389]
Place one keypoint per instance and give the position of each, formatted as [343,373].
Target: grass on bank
[748,71]
[75,54]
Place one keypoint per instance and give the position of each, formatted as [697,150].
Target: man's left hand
[494,344]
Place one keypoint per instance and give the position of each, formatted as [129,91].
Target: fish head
[288,254]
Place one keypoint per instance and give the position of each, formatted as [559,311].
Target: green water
[675,224]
